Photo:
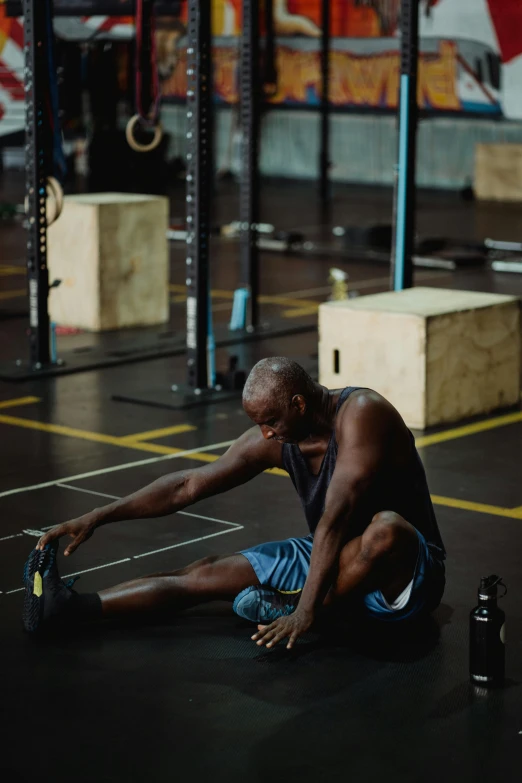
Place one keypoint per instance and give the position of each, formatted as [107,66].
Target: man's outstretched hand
[291,627]
[79,530]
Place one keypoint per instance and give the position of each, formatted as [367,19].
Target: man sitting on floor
[374,544]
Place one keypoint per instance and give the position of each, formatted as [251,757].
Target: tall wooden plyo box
[437,355]
[110,252]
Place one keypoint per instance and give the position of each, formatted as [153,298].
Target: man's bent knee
[387,531]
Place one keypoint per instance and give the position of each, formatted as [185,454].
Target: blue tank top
[404,491]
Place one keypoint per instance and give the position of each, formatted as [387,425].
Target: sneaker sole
[34,569]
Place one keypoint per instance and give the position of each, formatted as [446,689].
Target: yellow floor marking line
[98,437]
[155,448]
[7,270]
[160,433]
[468,429]
[462,505]
[58,429]
[277,472]
[220,293]
[19,401]
[481,508]
[300,311]
[287,301]
[17,294]
[11,269]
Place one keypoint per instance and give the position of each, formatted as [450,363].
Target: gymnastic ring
[136,146]
[57,191]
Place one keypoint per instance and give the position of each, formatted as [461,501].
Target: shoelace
[276,612]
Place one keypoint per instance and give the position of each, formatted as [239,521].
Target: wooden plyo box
[498,172]
[110,252]
[437,355]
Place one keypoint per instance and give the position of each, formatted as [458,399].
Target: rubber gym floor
[193,697]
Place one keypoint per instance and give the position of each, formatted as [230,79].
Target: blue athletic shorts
[284,566]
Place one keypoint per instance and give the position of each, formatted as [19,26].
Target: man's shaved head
[275,381]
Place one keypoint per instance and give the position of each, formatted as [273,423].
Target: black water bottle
[487,635]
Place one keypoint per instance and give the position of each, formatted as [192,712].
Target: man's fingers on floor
[271,637]
[290,644]
[277,638]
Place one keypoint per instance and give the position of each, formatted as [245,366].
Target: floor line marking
[277,472]
[159,433]
[89,492]
[16,535]
[481,508]
[280,299]
[130,442]
[58,429]
[369,282]
[10,269]
[210,519]
[157,448]
[125,442]
[16,294]
[200,455]
[185,543]
[118,497]
[468,429]
[301,311]
[187,454]
[438,500]
[18,401]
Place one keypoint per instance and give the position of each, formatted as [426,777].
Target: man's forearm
[164,496]
[325,556]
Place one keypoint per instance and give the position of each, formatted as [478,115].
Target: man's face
[287,425]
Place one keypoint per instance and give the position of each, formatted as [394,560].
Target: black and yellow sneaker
[46,595]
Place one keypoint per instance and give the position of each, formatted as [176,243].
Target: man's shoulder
[363,400]
[366,409]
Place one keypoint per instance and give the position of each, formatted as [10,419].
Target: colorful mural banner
[358,81]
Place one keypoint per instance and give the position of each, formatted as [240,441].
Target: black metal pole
[408,114]
[37,169]
[144,60]
[269,58]
[249,181]
[199,184]
[324,155]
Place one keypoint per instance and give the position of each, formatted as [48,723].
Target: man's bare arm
[248,456]
[364,440]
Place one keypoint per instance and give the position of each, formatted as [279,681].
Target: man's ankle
[86,606]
